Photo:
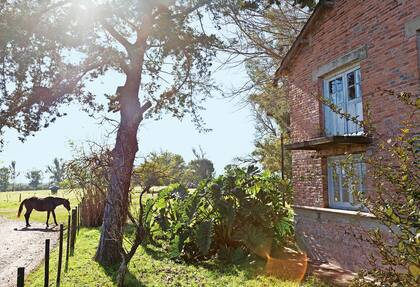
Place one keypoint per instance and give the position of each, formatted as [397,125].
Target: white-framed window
[345,179]
[344,91]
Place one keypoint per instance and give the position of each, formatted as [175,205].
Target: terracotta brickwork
[335,237]
[392,62]
[388,34]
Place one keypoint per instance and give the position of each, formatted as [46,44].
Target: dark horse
[47,204]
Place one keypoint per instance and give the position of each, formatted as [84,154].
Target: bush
[231,216]
[87,174]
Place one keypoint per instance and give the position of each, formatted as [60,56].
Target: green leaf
[414,270]
[204,236]
[175,250]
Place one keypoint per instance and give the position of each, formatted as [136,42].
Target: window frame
[347,205]
[329,128]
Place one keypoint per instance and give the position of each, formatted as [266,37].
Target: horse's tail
[21,207]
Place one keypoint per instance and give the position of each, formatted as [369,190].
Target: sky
[230,119]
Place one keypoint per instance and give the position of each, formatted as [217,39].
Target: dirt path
[22,247]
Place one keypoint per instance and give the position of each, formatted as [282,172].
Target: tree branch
[117,36]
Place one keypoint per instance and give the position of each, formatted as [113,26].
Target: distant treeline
[25,187]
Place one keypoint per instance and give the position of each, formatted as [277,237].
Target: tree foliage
[51,49]
[13,174]
[4,178]
[262,32]
[165,168]
[34,176]
[160,169]
[56,171]
[198,169]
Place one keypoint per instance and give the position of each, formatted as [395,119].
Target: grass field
[153,268]
[9,204]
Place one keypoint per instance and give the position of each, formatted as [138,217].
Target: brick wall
[336,237]
[392,62]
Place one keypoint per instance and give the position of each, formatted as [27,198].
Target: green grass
[153,268]
[9,204]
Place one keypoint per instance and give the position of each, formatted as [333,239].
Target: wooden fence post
[73,230]
[60,255]
[47,262]
[20,197]
[20,276]
[78,219]
[68,245]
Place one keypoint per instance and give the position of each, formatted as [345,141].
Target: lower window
[346,178]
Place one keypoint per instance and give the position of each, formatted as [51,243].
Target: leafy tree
[51,49]
[13,174]
[264,4]
[34,177]
[159,169]
[198,169]
[263,32]
[56,170]
[4,178]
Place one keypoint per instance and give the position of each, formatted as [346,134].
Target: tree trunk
[109,251]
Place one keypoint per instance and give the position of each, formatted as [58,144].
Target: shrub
[231,216]
[87,174]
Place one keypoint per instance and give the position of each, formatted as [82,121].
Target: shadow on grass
[252,267]
[52,229]
[129,281]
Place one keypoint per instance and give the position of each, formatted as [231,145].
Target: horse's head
[66,204]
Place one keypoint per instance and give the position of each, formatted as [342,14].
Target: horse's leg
[55,220]
[48,217]
[27,215]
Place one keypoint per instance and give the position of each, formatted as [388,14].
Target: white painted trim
[336,211]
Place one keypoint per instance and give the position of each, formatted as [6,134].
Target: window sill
[336,211]
[328,142]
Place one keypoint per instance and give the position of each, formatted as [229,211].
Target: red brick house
[346,50]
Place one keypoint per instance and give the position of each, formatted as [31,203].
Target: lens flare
[291,266]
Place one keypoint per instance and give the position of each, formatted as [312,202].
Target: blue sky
[230,120]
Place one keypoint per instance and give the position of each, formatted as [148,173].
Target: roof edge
[300,38]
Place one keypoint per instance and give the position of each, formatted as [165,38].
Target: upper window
[345,179]
[344,91]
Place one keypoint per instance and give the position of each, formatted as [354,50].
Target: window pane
[350,79]
[352,93]
[345,184]
[336,180]
[339,84]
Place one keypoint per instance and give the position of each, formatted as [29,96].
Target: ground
[22,247]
